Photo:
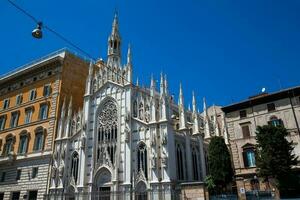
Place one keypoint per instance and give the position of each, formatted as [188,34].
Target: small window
[1,195]
[246,131]
[243,113]
[271,107]
[32,195]
[34,172]
[274,121]
[43,112]
[3,175]
[18,176]
[5,103]
[2,122]
[15,196]
[19,99]
[47,90]
[32,95]
[28,115]
[14,119]
[39,141]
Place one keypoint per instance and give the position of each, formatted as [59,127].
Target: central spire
[114,44]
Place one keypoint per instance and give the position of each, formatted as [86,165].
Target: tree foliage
[274,157]
[219,162]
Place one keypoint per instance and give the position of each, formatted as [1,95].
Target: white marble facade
[127,138]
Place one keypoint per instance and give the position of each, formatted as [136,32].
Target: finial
[152,84]
[129,55]
[166,85]
[194,102]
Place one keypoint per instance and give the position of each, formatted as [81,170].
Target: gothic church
[127,139]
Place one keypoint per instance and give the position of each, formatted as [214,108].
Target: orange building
[30,102]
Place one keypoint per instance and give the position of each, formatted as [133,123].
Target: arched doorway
[103,184]
[141,191]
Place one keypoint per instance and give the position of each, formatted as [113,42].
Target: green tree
[274,157]
[219,163]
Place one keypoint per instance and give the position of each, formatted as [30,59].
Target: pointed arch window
[141,111]
[179,158]
[107,132]
[135,109]
[195,164]
[142,159]
[74,166]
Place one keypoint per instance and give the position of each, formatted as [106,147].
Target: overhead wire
[63,38]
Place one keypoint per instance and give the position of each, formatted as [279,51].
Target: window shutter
[246,131]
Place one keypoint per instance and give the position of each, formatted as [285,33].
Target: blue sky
[223,50]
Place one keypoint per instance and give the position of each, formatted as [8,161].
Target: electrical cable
[63,38]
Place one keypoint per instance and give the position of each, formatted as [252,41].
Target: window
[142,159]
[8,145]
[195,164]
[271,107]
[249,157]
[243,113]
[107,132]
[34,172]
[246,131]
[32,195]
[141,111]
[5,103]
[32,95]
[39,141]
[134,109]
[28,115]
[18,176]
[15,196]
[274,121]
[19,99]
[14,119]
[74,166]
[3,174]
[179,159]
[23,143]
[43,111]
[2,122]
[47,90]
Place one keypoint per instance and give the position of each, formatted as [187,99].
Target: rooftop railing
[53,54]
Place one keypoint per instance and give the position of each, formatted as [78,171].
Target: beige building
[279,108]
[30,99]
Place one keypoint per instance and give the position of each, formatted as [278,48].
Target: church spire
[129,59]
[195,115]
[216,124]
[114,44]
[206,120]
[162,84]
[182,118]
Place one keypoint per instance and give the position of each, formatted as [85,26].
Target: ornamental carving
[108,116]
